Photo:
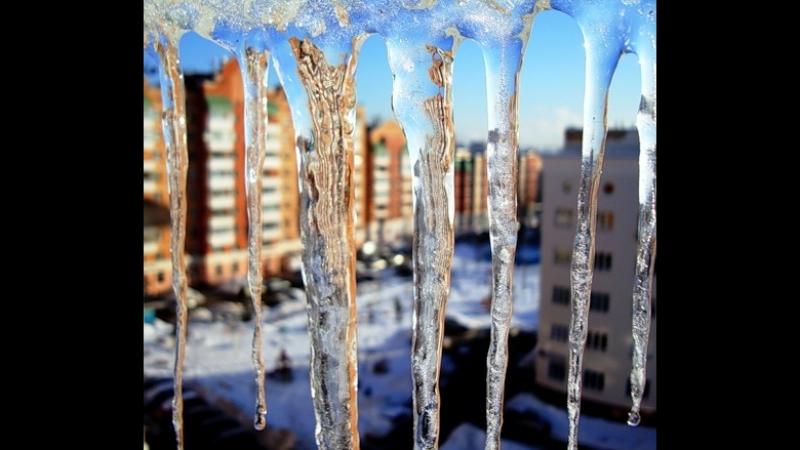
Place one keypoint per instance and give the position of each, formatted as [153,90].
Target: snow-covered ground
[218,353]
[472,283]
[470,437]
[593,432]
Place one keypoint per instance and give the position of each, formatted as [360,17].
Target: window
[561,295]
[562,257]
[160,277]
[605,220]
[602,261]
[151,234]
[646,392]
[559,332]
[564,217]
[597,341]
[566,187]
[608,188]
[556,369]
[599,302]
[235,267]
[592,380]
[219,270]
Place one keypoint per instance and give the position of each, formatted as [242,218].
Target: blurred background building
[216,240]
[609,344]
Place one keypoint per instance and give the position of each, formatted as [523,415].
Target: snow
[218,353]
[593,431]
[470,437]
[472,283]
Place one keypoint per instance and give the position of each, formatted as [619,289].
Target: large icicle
[600,65]
[645,47]
[173,123]
[601,61]
[503,62]
[421,99]
[324,120]
[253,63]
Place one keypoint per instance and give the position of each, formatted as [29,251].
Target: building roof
[622,143]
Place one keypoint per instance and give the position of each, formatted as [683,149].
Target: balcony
[271,216]
[150,187]
[222,183]
[150,166]
[221,122]
[220,202]
[220,142]
[222,239]
[222,222]
[271,232]
[150,248]
[217,163]
[149,140]
[272,162]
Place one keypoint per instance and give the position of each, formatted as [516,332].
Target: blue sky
[551,96]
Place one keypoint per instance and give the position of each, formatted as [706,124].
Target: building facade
[216,238]
[157,265]
[607,361]
[390,181]
[529,201]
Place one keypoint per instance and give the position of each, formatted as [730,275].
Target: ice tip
[261,420]
[634,419]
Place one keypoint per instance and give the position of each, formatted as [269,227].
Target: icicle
[324,119]
[602,55]
[503,62]
[421,99]
[173,123]
[645,47]
[600,65]
[253,64]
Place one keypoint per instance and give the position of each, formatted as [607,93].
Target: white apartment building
[607,361]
